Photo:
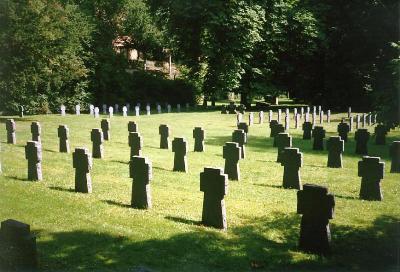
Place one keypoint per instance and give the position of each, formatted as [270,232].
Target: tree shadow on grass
[269,243]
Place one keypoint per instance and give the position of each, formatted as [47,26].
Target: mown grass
[99,231]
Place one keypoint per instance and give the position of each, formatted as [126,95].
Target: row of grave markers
[95,111]
[213,181]
[361,120]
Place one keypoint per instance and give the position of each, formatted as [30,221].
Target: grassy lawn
[99,231]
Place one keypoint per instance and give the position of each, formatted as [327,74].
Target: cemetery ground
[100,231]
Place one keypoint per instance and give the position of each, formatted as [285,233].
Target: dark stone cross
[394,153]
[164,132]
[214,184]
[343,130]
[224,109]
[335,146]
[63,135]
[371,171]
[82,162]
[105,127]
[17,247]
[36,130]
[180,148]
[232,108]
[232,155]
[362,136]
[135,143]
[140,170]
[272,125]
[97,140]
[307,129]
[10,127]
[380,134]
[279,129]
[244,127]
[318,134]
[291,160]
[33,153]
[317,207]
[133,126]
[199,134]
[240,137]
[282,140]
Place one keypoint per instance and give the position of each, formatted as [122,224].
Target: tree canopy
[334,53]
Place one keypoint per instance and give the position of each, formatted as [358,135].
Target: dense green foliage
[43,48]
[334,53]
[101,232]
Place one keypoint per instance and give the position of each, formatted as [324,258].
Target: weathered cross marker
[135,143]
[343,130]
[124,111]
[371,171]
[137,110]
[78,109]
[21,111]
[110,112]
[380,134]
[251,119]
[317,207]
[261,117]
[36,131]
[82,162]
[296,120]
[362,136]
[318,134]
[199,134]
[279,128]
[17,247]
[287,122]
[105,127]
[232,155]
[394,153]
[279,116]
[33,153]
[140,170]
[164,132]
[351,123]
[63,135]
[10,127]
[357,121]
[244,127]
[214,184]
[292,160]
[96,136]
[180,148]
[282,140]
[307,130]
[62,109]
[335,146]
[240,137]
[133,126]
[272,125]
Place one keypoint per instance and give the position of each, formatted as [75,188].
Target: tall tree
[43,48]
